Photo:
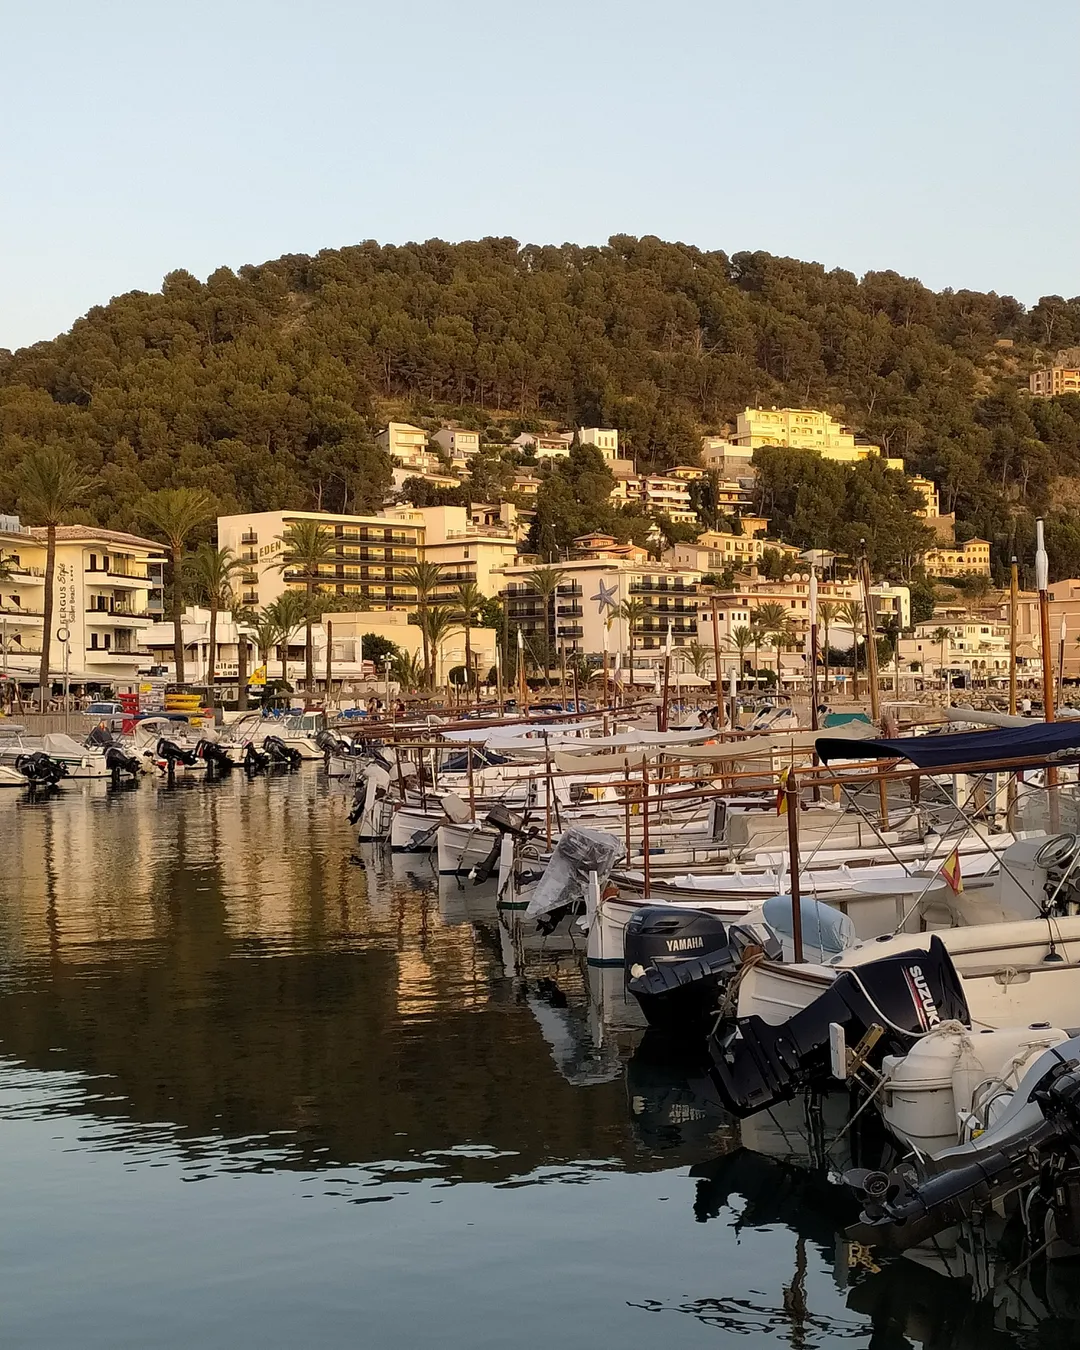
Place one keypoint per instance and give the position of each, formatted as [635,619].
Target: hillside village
[392,584]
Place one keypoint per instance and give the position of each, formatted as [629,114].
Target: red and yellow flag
[781,793]
[950,870]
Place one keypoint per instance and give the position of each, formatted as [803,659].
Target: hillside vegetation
[266,386]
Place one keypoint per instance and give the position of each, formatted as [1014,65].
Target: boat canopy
[965,747]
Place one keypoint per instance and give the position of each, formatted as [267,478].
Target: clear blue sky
[938,138]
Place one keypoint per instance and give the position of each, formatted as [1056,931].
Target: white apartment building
[105,585]
[458,442]
[586,609]
[370,555]
[544,445]
[975,647]
[466,550]
[604,439]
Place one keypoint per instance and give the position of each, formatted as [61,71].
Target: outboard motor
[679,961]
[214,756]
[503,823]
[173,754]
[118,761]
[906,995]
[40,769]
[278,753]
[1035,1144]
[254,760]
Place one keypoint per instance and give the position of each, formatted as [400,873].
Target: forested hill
[267,386]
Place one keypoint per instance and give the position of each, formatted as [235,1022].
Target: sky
[937,139]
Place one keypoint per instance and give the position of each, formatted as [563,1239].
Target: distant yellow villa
[804,429]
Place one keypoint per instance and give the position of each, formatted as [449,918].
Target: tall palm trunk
[44,683]
[825,658]
[178,612]
[468,659]
[428,674]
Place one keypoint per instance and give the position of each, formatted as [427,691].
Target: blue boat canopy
[1060,739]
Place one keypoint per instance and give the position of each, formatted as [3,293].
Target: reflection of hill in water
[214,955]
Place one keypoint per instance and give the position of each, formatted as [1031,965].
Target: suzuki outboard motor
[40,769]
[906,995]
[1035,1143]
[678,963]
[118,761]
[280,753]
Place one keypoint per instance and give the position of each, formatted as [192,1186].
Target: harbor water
[259,1089]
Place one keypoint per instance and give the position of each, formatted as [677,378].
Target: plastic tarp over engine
[566,876]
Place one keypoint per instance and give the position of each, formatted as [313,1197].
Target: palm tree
[49,484]
[470,604]
[828,613]
[699,656]
[176,513]
[307,545]
[249,619]
[435,622]
[545,581]
[287,613]
[423,577]
[941,636]
[633,610]
[265,632]
[212,571]
[741,639]
[851,616]
[406,669]
[773,622]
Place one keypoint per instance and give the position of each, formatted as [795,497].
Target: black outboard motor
[174,755]
[503,823]
[40,769]
[254,760]
[1035,1142]
[118,761]
[678,963]
[279,753]
[906,995]
[214,756]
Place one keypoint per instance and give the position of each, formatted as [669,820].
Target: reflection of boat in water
[565,1028]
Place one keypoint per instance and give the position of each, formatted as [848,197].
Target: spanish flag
[950,870]
[781,793]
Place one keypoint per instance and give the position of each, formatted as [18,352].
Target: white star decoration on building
[605,598]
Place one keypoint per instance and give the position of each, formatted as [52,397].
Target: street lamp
[64,636]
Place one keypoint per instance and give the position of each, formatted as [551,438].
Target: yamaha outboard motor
[906,995]
[118,761]
[40,769]
[678,963]
[279,753]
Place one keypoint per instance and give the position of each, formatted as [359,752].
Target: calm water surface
[255,1094]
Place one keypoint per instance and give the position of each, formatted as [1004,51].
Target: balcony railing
[571,588]
[574,630]
[569,611]
[664,587]
[249,537]
[250,597]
